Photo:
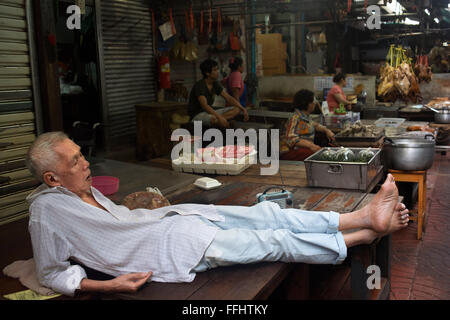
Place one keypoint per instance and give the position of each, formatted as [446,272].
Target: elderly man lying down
[72,220]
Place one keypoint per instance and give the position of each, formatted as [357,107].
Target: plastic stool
[419,177]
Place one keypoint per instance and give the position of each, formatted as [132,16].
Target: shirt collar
[302,115]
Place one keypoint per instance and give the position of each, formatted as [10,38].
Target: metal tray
[342,175]
[357,139]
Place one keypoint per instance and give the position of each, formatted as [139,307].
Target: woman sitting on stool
[297,139]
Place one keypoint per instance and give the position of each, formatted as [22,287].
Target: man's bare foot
[399,219]
[378,213]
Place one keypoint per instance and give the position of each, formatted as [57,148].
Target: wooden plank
[137,177]
[290,173]
[308,198]
[164,291]
[243,282]
[340,201]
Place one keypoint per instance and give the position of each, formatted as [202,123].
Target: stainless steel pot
[443,116]
[409,153]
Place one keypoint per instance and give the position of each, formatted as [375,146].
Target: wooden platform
[243,282]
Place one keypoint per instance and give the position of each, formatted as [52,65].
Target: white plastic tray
[227,167]
[389,122]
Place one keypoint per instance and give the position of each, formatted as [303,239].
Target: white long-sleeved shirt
[168,241]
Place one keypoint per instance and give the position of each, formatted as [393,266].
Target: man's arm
[125,283]
[234,102]
[204,104]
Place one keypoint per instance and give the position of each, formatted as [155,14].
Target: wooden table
[259,281]
[256,281]
[153,127]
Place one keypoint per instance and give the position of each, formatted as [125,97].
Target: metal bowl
[409,154]
[443,116]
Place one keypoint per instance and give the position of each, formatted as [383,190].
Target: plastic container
[389,122]
[107,185]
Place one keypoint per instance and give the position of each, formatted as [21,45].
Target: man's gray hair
[41,156]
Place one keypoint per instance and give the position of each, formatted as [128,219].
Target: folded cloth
[25,270]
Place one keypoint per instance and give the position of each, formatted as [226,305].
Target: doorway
[78,74]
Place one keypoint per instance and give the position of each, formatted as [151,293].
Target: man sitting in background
[70,219]
[202,97]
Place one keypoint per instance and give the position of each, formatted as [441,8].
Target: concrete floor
[420,268]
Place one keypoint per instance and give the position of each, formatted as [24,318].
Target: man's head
[56,160]
[209,68]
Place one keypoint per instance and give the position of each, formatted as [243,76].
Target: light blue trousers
[265,232]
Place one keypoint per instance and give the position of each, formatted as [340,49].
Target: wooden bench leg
[296,286]
[420,209]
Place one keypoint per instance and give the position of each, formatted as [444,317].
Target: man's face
[214,75]
[72,171]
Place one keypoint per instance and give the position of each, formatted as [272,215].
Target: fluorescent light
[427,11]
[445,44]
[392,7]
[411,22]
[436,20]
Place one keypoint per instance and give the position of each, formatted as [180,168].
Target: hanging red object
[365,5]
[153,21]
[219,21]
[210,19]
[192,19]
[201,22]
[187,20]
[349,5]
[164,72]
[172,24]
[52,39]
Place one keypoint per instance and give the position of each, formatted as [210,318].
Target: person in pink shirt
[336,94]
[234,82]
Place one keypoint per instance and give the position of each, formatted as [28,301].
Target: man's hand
[130,282]
[223,122]
[244,111]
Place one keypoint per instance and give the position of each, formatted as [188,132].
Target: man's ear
[51,179]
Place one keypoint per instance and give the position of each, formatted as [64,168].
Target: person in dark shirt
[202,97]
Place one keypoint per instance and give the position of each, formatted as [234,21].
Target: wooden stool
[419,177]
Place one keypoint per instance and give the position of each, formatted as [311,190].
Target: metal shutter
[18,90]
[128,68]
